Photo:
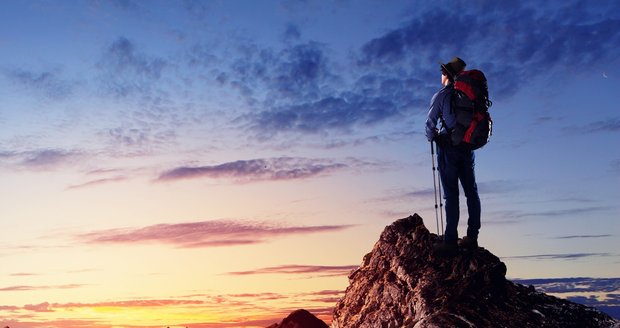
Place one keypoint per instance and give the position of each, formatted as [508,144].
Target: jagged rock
[300,319]
[402,283]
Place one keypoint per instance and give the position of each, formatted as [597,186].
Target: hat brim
[445,68]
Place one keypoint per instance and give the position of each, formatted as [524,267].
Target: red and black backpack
[470,105]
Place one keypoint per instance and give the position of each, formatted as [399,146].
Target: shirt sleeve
[433,116]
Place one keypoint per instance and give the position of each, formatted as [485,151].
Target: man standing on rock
[455,163]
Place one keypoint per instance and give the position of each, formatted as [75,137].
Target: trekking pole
[440,194]
[435,189]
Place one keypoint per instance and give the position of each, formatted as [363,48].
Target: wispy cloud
[485,187]
[281,168]
[608,125]
[41,307]
[583,236]
[47,158]
[97,182]
[23,274]
[555,212]
[205,233]
[126,70]
[48,84]
[319,270]
[22,288]
[130,303]
[568,256]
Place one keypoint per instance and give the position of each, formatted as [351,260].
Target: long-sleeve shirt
[440,105]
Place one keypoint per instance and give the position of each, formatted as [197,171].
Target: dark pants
[456,164]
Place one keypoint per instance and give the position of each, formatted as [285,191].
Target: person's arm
[433,117]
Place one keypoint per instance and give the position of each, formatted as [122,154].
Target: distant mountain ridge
[402,283]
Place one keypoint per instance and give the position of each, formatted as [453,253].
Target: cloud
[205,233]
[29,288]
[332,112]
[511,215]
[299,89]
[23,274]
[8,308]
[291,33]
[573,211]
[326,296]
[42,307]
[281,168]
[47,157]
[583,236]
[486,187]
[609,125]
[321,271]
[569,256]
[126,70]
[44,83]
[571,35]
[42,158]
[97,182]
[304,88]
[129,303]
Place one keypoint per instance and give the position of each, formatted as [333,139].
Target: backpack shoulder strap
[450,88]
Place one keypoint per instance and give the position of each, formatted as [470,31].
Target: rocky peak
[402,283]
[300,319]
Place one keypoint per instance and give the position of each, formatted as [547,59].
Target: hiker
[456,163]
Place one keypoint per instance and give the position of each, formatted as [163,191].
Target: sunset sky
[222,163]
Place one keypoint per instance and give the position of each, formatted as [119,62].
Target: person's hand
[436,135]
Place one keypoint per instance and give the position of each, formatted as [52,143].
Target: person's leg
[448,171]
[470,188]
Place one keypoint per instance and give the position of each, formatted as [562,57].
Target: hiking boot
[445,249]
[468,243]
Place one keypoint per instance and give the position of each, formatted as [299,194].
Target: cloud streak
[22,288]
[215,233]
[321,271]
[568,256]
[609,125]
[583,236]
[46,158]
[281,168]
[98,182]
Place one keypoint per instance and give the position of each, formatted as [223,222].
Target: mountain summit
[402,283]
[300,319]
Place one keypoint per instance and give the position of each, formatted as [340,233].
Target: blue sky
[278,138]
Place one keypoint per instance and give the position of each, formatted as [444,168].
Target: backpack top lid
[473,84]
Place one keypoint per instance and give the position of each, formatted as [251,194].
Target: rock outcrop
[402,283]
[300,319]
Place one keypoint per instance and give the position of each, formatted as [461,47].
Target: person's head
[451,69]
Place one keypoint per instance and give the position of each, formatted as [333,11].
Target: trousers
[457,164]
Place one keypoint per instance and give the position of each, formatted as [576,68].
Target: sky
[223,163]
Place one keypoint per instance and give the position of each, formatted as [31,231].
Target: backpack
[470,105]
